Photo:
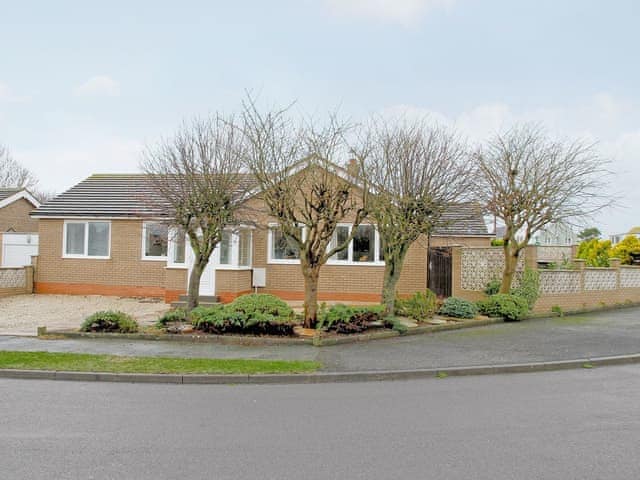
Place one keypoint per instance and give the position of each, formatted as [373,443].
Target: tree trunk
[311,276]
[392,270]
[194,285]
[510,264]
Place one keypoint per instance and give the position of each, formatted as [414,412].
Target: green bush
[172,316]
[595,252]
[251,314]
[492,287]
[260,303]
[346,319]
[508,306]
[458,308]
[497,242]
[419,306]
[529,288]
[109,321]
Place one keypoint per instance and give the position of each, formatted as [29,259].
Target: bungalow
[108,235]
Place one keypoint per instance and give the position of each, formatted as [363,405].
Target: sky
[84,86]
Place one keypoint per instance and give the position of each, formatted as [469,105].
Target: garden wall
[16,280]
[571,289]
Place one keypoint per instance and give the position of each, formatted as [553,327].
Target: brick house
[108,235]
[17,228]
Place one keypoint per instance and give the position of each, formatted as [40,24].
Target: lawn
[81,362]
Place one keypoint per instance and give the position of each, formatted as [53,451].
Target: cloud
[602,118]
[7,95]
[100,85]
[404,12]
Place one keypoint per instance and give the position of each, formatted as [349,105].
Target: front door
[208,278]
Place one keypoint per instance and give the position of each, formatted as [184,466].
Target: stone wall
[16,281]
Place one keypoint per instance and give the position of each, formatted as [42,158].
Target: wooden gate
[439,279]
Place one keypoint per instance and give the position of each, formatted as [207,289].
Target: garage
[17,249]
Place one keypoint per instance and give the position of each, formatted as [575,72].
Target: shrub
[557,309]
[109,321]
[250,314]
[260,303]
[458,308]
[626,250]
[492,287]
[420,305]
[177,315]
[595,252]
[529,288]
[510,307]
[347,319]
[497,242]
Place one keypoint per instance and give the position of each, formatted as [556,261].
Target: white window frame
[163,258]
[280,261]
[377,262]
[235,251]
[84,255]
[171,249]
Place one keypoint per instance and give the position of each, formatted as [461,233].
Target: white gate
[17,249]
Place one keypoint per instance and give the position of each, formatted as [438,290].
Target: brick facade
[15,217]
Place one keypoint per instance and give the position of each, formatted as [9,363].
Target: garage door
[17,249]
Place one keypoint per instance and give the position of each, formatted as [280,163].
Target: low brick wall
[16,281]
[574,289]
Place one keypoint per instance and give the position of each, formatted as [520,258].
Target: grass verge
[82,362]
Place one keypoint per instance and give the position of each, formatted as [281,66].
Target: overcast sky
[84,85]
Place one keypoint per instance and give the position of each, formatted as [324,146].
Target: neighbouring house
[109,235]
[18,231]
[557,235]
[618,237]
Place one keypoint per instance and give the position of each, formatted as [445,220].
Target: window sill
[154,259]
[85,257]
[355,264]
[232,267]
[283,262]
[177,267]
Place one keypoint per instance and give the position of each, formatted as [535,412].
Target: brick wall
[15,217]
[124,273]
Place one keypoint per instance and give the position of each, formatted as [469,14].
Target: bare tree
[197,174]
[418,172]
[303,189]
[13,174]
[529,180]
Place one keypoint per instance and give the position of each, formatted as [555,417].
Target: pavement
[601,334]
[577,424]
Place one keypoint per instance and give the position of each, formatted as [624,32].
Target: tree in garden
[529,180]
[303,189]
[595,252]
[589,234]
[196,173]
[13,174]
[626,250]
[417,172]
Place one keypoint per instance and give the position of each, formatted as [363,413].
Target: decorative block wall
[13,278]
[629,277]
[559,281]
[554,254]
[481,265]
[600,279]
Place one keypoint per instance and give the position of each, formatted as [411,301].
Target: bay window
[86,239]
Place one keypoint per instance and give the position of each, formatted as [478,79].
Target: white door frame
[208,286]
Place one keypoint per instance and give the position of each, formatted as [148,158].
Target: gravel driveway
[22,314]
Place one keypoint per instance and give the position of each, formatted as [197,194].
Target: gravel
[22,314]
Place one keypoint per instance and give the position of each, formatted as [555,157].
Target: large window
[283,248]
[177,248]
[365,248]
[235,249]
[87,239]
[155,241]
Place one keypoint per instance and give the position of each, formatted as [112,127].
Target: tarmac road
[578,424]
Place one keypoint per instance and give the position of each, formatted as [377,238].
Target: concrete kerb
[322,377]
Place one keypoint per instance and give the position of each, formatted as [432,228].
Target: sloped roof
[110,196]
[7,192]
[462,219]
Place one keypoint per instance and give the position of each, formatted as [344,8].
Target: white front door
[208,278]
